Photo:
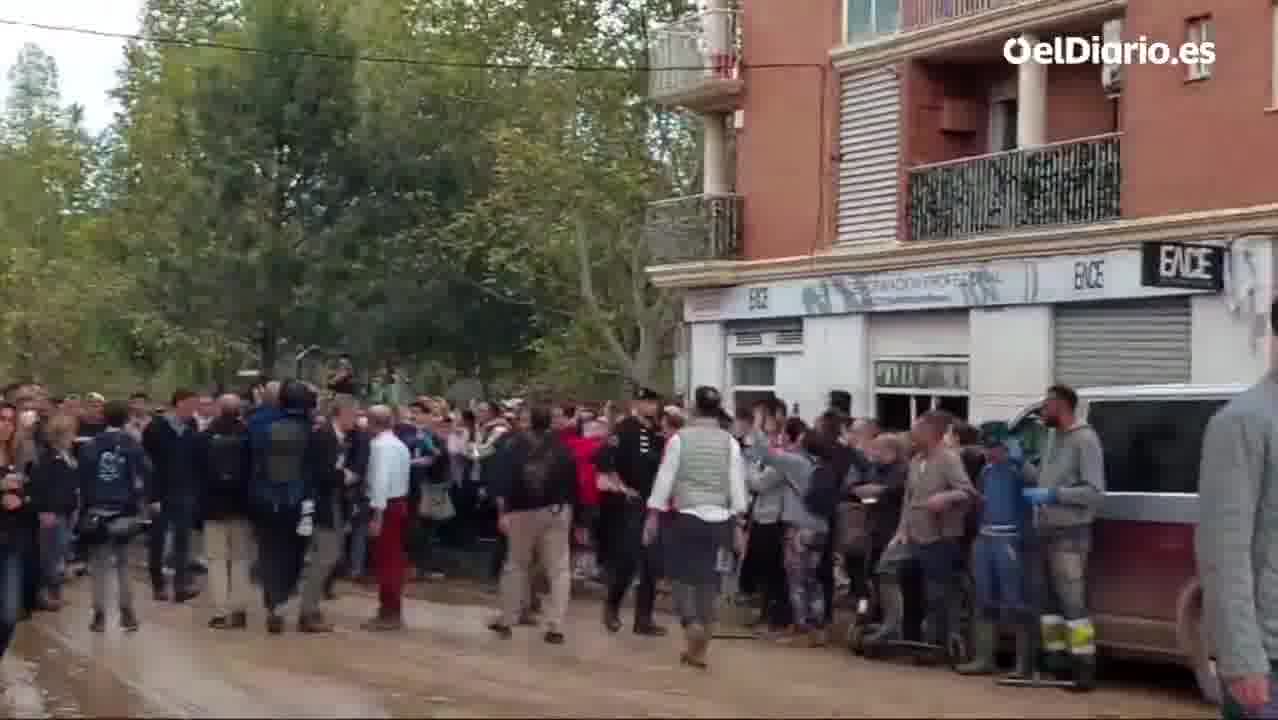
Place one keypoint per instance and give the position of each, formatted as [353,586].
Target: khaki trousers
[545,534]
[232,550]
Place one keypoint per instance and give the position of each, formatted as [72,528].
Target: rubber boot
[984,634]
[892,603]
[1084,672]
[1026,651]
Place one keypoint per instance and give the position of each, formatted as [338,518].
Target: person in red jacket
[585,445]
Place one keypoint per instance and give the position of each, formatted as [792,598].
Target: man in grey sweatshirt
[1237,545]
[1070,489]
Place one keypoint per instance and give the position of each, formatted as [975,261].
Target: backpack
[823,493]
[114,475]
[225,451]
[280,480]
[539,468]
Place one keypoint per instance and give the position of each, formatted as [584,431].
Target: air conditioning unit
[1112,72]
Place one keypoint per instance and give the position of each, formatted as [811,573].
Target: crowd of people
[289,477]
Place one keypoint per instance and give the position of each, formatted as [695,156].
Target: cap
[644,393]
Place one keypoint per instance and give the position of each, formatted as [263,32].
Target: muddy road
[446,664]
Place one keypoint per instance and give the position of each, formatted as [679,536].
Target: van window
[1152,446]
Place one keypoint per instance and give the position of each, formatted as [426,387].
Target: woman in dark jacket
[14,520]
[55,495]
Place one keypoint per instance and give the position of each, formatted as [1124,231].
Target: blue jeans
[998,571]
[54,542]
[10,593]
[359,541]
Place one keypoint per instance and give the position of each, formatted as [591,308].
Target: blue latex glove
[1039,496]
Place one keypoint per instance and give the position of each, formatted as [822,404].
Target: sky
[87,64]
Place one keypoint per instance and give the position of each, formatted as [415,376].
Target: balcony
[696,62]
[1065,183]
[693,229]
[918,14]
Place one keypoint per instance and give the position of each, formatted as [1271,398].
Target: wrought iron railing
[1059,184]
[922,13]
[693,50]
[697,227]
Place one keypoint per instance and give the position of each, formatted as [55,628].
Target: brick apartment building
[892,209]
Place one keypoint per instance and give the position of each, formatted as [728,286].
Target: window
[754,371]
[1003,125]
[870,18]
[896,412]
[1199,31]
[1152,446]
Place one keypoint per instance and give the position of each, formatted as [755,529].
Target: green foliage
[471,222]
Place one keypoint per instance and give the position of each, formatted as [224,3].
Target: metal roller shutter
[1137,342]
[870,156]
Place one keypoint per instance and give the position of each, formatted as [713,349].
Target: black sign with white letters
[1182,265]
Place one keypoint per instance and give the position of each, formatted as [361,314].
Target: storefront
[919,362]
[764,361]
[984,340]
[1124,342]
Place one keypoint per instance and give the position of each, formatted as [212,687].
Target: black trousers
[826,574]
[630,556]
[176,517]
[32,568]
[767,547]
[278,553]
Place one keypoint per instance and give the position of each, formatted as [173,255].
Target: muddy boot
[611,618]
[892,603]
[128,620]
[696,639]
[1026,652]
[1084,675]
[314,623]
[984,634]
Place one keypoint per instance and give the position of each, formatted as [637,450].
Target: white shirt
[389,465]
[664,485]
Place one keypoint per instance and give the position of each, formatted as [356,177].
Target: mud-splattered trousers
[1062,555]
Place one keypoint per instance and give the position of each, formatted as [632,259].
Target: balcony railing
[922,13]
[696,56]
[1060,184]
[698,227]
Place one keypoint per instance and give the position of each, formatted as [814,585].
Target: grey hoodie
[1073,466]
[792,472]
[1237,536]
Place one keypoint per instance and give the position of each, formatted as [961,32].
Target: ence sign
[1182,265]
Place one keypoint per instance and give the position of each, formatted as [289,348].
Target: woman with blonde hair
[14,511]
[55,495]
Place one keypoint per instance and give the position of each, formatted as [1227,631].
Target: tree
[575,171]
[55,288]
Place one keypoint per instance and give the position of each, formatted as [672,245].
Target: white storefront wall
[998,317]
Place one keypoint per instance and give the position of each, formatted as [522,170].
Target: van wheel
[1199,648]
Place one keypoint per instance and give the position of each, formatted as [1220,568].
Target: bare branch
[591,298]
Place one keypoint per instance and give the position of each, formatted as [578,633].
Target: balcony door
[867,19]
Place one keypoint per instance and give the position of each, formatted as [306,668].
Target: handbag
[436,503]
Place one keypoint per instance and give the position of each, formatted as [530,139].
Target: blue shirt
[1002,484]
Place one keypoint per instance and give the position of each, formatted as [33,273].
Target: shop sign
[1182,265]
[920,374]
[1112,275]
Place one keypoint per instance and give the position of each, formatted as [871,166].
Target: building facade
[924,225]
